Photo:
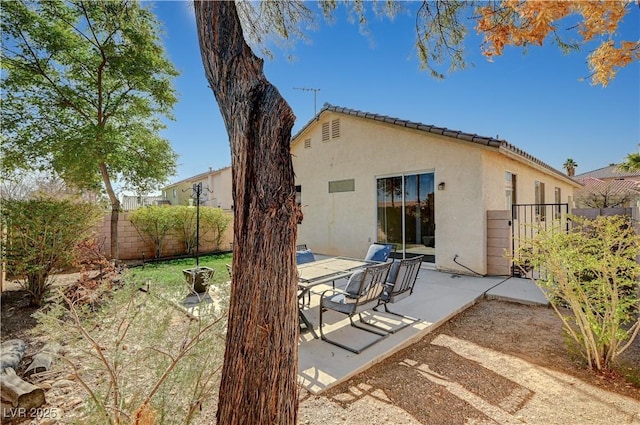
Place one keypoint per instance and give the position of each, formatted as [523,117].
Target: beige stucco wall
[216,190]
[496,164]
[221,183]
[345,223]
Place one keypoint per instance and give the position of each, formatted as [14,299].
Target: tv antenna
[315,91]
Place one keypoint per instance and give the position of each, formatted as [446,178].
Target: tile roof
[443,131]
[611,187]
[197,176]
[609,172]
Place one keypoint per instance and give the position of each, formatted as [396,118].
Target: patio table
[323,271]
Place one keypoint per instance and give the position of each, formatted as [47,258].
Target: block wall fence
[132,245]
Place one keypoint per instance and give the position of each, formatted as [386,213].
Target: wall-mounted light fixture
[441,186]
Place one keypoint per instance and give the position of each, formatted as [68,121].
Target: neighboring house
[131,202]
[216,189]
[608,187]
[363,177]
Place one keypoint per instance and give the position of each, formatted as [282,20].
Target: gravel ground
[496,363]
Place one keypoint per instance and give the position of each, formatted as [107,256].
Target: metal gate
[527,220]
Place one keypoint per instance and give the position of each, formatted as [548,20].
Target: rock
[63,383]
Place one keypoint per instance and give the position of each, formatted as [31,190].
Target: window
[557,198]
[175,193]
[299,194]
[539,200]
[342,186]
[510,190]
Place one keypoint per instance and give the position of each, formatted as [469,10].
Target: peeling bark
[259,376]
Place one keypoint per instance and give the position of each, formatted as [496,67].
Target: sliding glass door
[406,214]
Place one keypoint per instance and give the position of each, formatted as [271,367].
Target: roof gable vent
[325,131]
[335,128]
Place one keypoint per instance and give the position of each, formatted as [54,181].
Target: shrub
[593,271]
[215,222]
[153,224]
[142,357]
[185,226]
[41,237]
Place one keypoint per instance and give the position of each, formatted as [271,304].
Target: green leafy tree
[593,271]
[85,84]
[154,224]
[42,236]
[260,365]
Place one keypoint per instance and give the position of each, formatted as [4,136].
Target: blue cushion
[378,252]
[393,272]
[353,286]
[305,256]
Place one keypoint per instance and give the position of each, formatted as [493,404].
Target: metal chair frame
[369,291]
[401,287]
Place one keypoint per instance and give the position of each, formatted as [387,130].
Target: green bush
[592,270]
[42,236]
[214,222]
[153,223]
[184,226]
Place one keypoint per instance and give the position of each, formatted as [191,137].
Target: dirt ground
[495,363]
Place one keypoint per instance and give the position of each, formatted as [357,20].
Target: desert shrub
[98,275]
[142,357]
[593,271]
[185,226]
[42,236]
[213,223]
[153,223]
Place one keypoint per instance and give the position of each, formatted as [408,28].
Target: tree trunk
[115,211]
[19,393]
[13,390]
[259,376]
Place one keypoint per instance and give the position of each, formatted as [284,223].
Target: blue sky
[534,101]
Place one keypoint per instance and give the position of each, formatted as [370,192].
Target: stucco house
[216,189]
[363,178]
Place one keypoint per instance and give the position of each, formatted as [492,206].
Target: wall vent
[307,143]
[325,131]
[335,128]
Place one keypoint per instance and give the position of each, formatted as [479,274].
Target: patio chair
[304,256]
[362,293]
[378,252]
[402,278]
[301,247]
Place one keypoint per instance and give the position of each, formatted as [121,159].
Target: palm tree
[570,165]
[632,163]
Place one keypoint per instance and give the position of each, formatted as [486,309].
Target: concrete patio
[437,297]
